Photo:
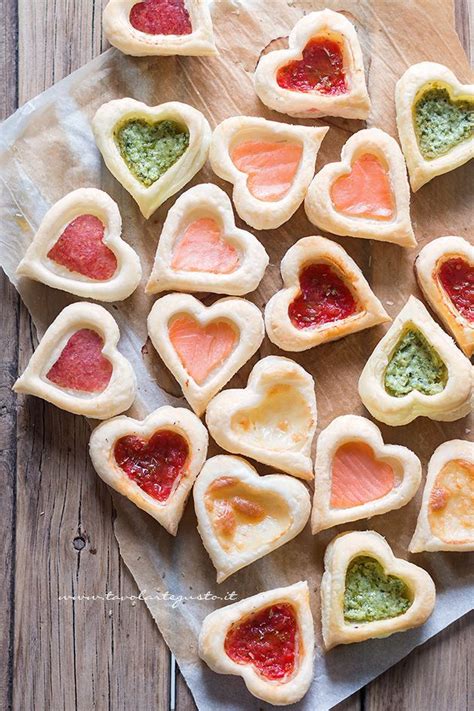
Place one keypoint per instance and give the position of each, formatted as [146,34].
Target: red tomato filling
[81,365]
[457,279]
[161,17]
[321,69]
[323,298]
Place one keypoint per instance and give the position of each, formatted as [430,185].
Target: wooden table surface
[57,515]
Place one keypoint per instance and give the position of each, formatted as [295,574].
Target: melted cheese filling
[451,504]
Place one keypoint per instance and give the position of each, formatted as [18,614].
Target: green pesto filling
[414,365]
[150,149]
[370,594]
[440,123]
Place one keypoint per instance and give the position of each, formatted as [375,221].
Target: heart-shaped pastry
[267,639]
[243,516]
[204,346]
[446,518]
[159,27]
[78,248]
[324,297]
[415,370]
[445,273]
[77,366]
[366,194]
[366,592]
[201,249]
[273,420]
[152,462]
[435,120]
[320,74]
[152,150]
[270,165]
[357,475]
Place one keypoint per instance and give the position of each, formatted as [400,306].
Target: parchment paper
[47,149]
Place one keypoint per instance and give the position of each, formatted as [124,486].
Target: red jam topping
[323,298]
[81,249]
[457,279]
[153,464]
[81,365]
[161,17]
[321,69]
[268,640]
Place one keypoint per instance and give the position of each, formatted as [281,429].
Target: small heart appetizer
[445,272]
[204,346]
[416,370]
[273,420]
[435,119]
[367,194]
[77,366]
[267,639]
[153,462]
[78,248]
[325,297]
[357,475]
[366,592]
[446,518]
[243,516]
[201,249]
[153,151]
[159,27]
[270,165]
[320,74]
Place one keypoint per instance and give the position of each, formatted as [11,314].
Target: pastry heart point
[203,249]
[370,594]
[81,249]
[150,148]
[366,191]
[81,366]
[456,277]
[268,640]
[320,70]
[201,349]
[271,166]
[440,122]
[156,465]
[358,477]
[161,17]
[451,503]
[323,298]
[415,365]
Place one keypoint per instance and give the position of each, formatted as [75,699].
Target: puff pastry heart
[272,420]
[446,518]
[357,475]
[320,74]
[243,516]
[270,165]
[445,272]
[325,297]
[366,592]
[367,194]
[153,151]
[267,639]
[435,120]
[77,366]
[201,249]
[159,27]
[416,370]
[78,248]
[204,346]
[152,462]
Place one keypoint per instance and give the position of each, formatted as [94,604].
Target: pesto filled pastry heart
[270,165]
[445,273]
[320,74]
[77,366]
[201,248]
[367,592]
[435,120]
[78,248]
[416,369]
[152,151]
[324,297]
[152,462]
[273,420]
[267,639]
